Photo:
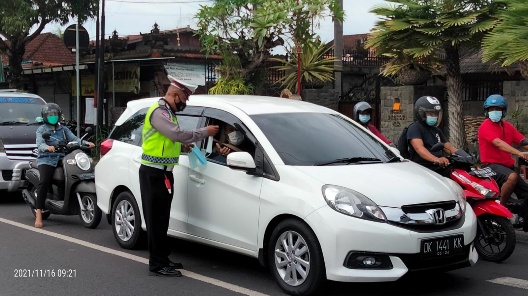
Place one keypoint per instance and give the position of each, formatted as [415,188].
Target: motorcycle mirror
[46,135]
[437,147]
[88,130]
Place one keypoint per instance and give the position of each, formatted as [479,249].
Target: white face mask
[235,137]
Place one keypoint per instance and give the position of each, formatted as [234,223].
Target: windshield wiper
[394,159]
[349,160]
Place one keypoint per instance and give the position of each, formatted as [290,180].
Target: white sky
[130,17]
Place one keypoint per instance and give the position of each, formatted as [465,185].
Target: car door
[224,203]
[188,120]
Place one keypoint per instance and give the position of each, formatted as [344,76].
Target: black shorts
[502,172]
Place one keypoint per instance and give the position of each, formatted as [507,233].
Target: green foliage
[251,28]
[231,81]
[519,119]
[316,67]
[508,42]
[19,17]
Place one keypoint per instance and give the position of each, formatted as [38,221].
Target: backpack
[403,143]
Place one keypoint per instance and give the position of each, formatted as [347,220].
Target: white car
[314,196]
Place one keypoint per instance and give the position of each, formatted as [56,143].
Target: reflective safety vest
[157,148]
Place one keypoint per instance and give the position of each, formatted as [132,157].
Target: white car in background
[314,196]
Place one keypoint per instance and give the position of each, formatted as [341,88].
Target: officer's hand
[212,130]
[442,161]
[187,147]
[51,148]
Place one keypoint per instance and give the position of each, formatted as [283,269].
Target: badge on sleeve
[166,115]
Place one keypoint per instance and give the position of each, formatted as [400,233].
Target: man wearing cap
[161,146]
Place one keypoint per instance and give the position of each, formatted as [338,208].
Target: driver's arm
[506,147]
[449,148]
[419,147]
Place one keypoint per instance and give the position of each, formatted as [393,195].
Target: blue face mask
[364,118]
[495,116]
[431,120]
[53,119]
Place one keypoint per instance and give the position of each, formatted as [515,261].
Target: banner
[90,116]
[193,74]
[125,79]
[87,85]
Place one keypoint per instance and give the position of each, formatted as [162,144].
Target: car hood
[387,184]
[18,134]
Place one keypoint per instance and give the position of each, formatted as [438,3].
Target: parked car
[314,196]
[19,120]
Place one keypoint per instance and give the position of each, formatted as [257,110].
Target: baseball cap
[187,88]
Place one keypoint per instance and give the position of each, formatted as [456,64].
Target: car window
[228,123]
[317,138]
[20,110]
[130,131]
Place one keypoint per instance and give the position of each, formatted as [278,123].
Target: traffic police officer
[162,140]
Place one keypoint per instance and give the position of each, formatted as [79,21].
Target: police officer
[162,140]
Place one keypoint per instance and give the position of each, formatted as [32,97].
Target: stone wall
[324,97]
[516,92]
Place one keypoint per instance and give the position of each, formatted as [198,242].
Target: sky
[130,17]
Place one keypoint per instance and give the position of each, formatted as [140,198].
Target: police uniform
[161,149]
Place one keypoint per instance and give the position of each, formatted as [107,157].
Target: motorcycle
[73,184]
[496,237]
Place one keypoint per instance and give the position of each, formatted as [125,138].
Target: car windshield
[19,110]
[307,139]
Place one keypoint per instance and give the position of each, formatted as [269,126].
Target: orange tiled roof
[49,49]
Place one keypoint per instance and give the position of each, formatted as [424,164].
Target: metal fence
[480,90]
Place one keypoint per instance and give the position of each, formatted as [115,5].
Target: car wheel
[91,215]
[126,222]
[295,258]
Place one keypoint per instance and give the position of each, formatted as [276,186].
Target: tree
[250,29]
[507,43]
[19,17]
[436,30]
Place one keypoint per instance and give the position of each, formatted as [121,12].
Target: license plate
[442,247]
[483,172]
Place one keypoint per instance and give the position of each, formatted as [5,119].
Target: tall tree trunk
[15,53]
[457,135]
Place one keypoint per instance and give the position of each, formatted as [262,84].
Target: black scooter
[73,185]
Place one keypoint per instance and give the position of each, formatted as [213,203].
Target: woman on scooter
[48,158]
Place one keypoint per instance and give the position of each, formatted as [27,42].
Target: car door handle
[197,179]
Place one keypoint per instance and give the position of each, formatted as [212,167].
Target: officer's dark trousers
[156,201]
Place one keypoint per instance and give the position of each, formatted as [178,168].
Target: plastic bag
[197,159]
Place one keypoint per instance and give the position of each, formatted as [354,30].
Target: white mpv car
[313,195]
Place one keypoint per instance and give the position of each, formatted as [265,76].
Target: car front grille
[415,263]
[20,151]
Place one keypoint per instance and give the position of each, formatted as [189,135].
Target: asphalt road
[64,258]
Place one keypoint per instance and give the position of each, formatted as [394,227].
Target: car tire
[126,222]
[305,260]
[91,216]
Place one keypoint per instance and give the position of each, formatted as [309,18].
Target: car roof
[13,93]
[249,104]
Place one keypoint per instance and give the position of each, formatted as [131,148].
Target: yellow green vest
[158,149]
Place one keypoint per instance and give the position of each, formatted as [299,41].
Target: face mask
[364,118]
[431,120]
[53,119]
[179,105]
[495,116]
[235,137]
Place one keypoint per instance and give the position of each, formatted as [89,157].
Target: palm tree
[508,42]
[436,30]
[317,65]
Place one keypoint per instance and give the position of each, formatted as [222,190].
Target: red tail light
[106,145]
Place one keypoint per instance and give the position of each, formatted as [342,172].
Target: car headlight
[83,161]
[352,203]
[459,193]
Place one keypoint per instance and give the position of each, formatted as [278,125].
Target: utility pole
[298,49]
[338,53]
[101,76]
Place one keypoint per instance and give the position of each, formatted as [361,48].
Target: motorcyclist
[496,137]
[48,158]
[362,114]
[424,133]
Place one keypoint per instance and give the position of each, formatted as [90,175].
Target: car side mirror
[240,160]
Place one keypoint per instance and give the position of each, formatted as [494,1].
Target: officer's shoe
[176,265]
[166,271]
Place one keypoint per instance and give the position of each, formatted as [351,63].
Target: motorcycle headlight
[459,194]
[83,161]
[352,203]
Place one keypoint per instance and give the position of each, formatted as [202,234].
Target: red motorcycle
[496,238]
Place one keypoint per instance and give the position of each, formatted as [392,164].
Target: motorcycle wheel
[45,213]
[91,215]
[500,242]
